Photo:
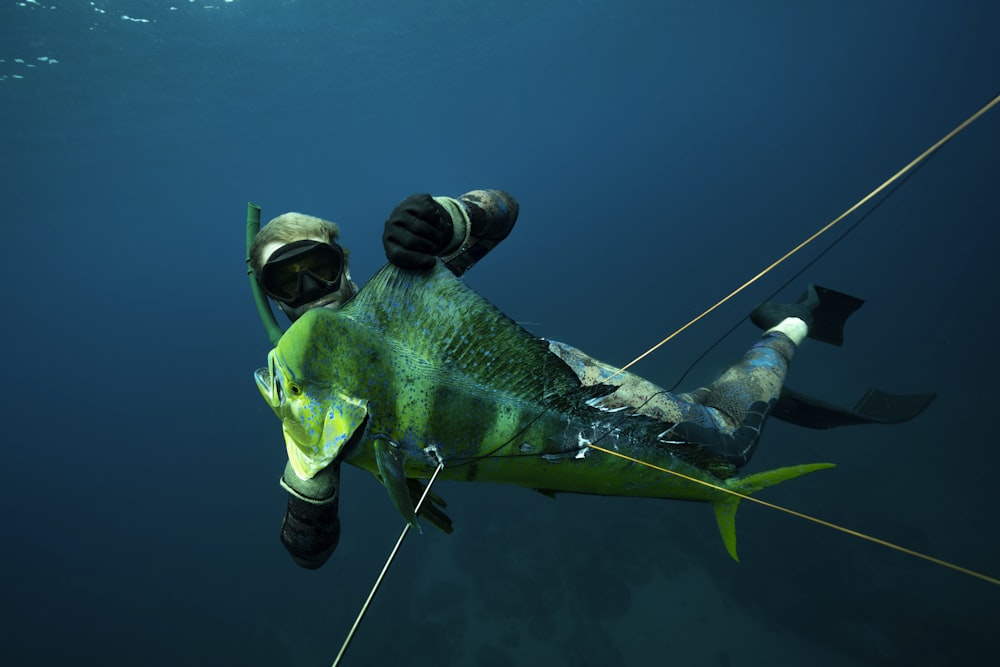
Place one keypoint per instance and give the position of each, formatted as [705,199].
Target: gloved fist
[417,230]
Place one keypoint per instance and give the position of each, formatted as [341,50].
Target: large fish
[419,369]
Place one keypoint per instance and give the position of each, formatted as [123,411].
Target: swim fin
[875,407]
[823,309]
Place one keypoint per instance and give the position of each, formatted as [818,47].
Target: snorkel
[267,318]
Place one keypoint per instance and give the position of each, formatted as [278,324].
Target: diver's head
[299,264]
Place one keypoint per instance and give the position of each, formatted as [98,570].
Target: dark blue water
[663,153]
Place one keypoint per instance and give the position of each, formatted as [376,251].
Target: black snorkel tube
[267,318]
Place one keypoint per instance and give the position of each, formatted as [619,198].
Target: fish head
[317,420]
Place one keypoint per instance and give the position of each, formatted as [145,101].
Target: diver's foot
[823,312]
[792,319]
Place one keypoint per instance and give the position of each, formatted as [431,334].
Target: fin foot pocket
[831,314]
[824,310]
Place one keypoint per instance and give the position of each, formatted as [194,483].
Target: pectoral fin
[391,467]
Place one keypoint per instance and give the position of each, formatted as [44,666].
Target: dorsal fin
[434,316]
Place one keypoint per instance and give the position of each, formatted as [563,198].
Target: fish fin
[433,508]
[391,467]
[725,516]
[430,317]
[725,508]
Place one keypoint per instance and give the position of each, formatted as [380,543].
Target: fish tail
[726,506]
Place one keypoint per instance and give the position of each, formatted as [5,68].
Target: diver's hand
[417,230]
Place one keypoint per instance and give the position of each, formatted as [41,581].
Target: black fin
[887,408]
[875,407]
[830,315]
[823,309]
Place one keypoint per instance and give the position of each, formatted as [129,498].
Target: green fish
[419,369]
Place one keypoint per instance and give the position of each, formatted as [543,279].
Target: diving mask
[303,271]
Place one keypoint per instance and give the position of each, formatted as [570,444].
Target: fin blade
[884,408]
[875,407]
[831,314]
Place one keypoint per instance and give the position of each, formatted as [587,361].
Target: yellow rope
[899,174]
[807,517]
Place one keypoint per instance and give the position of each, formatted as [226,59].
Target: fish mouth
[305,465]
[266,379]
[262,376]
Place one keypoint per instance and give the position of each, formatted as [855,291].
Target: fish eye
[294,389]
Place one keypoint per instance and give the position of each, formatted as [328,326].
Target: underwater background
[662,152]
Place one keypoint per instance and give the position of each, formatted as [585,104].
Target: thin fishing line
[807,517]
[864,200]
[385,568]
[892,184]
[798,273]
[908,168]
[547,406]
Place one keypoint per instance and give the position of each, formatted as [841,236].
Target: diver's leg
[725,418]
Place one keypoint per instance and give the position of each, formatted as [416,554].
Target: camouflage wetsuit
[722,421]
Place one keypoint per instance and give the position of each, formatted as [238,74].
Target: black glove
[310,532]
[417,230]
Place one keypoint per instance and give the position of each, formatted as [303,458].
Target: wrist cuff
[321,489]
[460,227]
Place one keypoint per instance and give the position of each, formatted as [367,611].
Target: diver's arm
[459,231]
[480,220]
[311,528]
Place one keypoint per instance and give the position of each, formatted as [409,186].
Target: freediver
[298,261]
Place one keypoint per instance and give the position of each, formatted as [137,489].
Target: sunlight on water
[29,52]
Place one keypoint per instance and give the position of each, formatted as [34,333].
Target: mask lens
[323,261]
[281,276]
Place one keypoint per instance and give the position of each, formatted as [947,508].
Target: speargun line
[864,200]
[385,568]
[901,173]
[807,517]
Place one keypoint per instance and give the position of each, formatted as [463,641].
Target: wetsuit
[722,421]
